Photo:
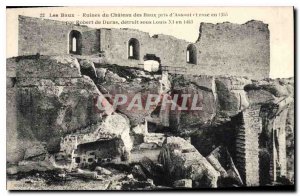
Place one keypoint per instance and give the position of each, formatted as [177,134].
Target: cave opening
[98,152]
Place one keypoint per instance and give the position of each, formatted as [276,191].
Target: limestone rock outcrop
[54,120]
[46,67]
[87,68]
[181,160]
[50,99]
[221,160]
[200,88]
[135,85]
[114,127]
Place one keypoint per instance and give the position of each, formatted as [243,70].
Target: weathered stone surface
[290,137]
[152,170]
[49,105]
[10,72]
[56,109]
[206,101]
[119,126]
[86,174]
[115,128]
[35,152]
[138,172]
[49,100]
[11,67]
[220,48]
[101,72]
[27,166]
[14,150]
[48,67]
[148,166]
[221,160]
[231,95]
[87,68]
[213,159]
[278,88]
[183,183]
[230,52]
[206,140]
[155,138]
[133,184]
[139,132]
[164,81]
[135,87]
[113,77]
[12,170]
[270,90]
[141,129]
[260,96]
[10,82]
[182,161]
[102,170]
[86,64]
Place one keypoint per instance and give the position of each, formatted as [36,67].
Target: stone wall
[49,37]
[281,134]
[279,151]
[247,150]
[290,142]
[90,41]
[253,127]
[170,50]
[233,49]
[240,50]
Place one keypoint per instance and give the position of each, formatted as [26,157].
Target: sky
[279,19]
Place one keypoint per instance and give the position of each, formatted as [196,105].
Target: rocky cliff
[54,119]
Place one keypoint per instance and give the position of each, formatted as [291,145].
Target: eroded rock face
[290,135]
[35,152]
[231,95]
[107,141]
[119,126]
[279,92]
[87,68]
[204,88]
[183,183]
[277,87]
[56,107]
[135,85]
[48,67]
[221,160]
[50,99]
[139,132]
[54,99]
[181,160]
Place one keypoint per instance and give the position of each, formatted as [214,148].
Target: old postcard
[150,98]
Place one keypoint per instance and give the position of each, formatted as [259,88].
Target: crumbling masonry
[223,48]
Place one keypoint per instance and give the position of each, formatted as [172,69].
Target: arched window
[75,42]
[74,49]
[191,54]
[133,49]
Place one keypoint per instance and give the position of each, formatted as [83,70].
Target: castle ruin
[243,135]
[223,48]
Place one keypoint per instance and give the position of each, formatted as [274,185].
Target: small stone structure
[85,154]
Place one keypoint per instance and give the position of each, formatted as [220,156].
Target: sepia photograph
[150,98]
